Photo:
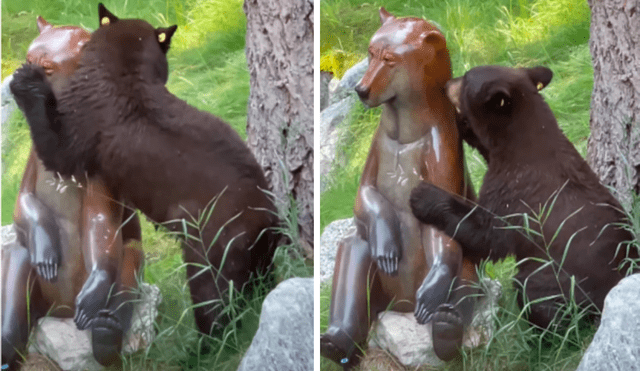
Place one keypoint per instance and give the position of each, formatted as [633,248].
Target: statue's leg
[451,319]
[356,298]
[110,324]
[22,303]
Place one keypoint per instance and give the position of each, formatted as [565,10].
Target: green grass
[517,33]
[207,69]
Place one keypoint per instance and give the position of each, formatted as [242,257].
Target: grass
[207,69]
[518,33]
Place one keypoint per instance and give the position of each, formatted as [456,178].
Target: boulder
[60,340]
[344,88]
[284,340]
[331,236]
[341,100]
[616,345]
[8,103]
[401,335]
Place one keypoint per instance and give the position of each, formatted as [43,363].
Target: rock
[60,340]
[332,131]
[616,345]
[9,235]
[411,343]
[284,340]
[342,99]
[8,103]
[325,78]
[142,331]
[331,236]
[348,82]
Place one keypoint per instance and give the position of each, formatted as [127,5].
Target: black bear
[180,166]
[534,174]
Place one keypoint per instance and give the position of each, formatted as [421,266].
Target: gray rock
[60,340]
[332,131]
[284,341]
[331,236]
[8,234]
[325,77]
[411,343]
[348,82]
[616,345]
[8,103]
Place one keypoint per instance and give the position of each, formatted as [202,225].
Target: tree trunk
[614,145]
[279,48]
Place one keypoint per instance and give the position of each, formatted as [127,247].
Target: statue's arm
[377,219]
[102,248]
[36,225]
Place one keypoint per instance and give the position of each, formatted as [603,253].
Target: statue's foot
[329,349]
[92,298]
[107,333]
[447,331]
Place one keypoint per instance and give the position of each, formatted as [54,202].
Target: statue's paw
[388,262]
[92,298]
[447,331]
[106,336]
[45,242]
[47,269]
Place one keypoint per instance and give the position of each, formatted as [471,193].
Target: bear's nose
[363,92]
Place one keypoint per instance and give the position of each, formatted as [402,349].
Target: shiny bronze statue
[82,251]
[393,261]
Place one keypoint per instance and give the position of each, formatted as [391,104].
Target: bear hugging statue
[116,119]
[532,169]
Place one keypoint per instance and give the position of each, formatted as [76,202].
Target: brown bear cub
[533,170]
[180,166]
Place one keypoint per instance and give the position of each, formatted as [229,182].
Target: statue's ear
[105,16]
[43,24]
[385,15]
[164,37]
[540,76]
[435,38]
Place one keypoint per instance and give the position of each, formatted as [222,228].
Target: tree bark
[279,48]
[614,145]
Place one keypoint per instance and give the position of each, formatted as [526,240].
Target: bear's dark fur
[115,118]
[533,169]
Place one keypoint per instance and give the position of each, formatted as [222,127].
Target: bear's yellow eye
[105,21]
[540,86]
[162,37]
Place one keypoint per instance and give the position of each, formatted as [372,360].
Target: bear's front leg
[382,226]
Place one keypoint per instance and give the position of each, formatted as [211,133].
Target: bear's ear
[385,15]
[434,38]
[540,76]
[453,89]
[163,36]
[105,16]
[43,24]
[498,98]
